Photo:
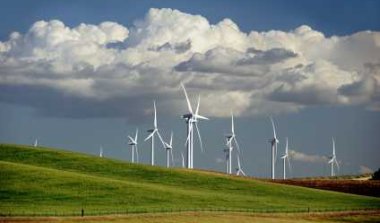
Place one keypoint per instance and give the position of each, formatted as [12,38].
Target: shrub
[376,175]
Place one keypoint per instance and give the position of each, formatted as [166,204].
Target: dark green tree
[376,175]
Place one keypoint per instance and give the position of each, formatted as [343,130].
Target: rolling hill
[45,180]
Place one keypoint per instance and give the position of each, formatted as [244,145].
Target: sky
[79,75]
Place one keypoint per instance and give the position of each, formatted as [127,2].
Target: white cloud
[256,72]
[294,155]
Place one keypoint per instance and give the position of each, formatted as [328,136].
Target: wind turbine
[239,170]
[191,120]
[333,160]
[35,143]
[169,151]
[101,151]
[273,143]
[285,157]
[231,138]
[133,143]
[152,133]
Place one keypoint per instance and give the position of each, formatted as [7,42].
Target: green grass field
[42,180]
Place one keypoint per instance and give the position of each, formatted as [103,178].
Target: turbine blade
[197,110]
[155,114]
[287,146]
[150,135]
[171,139]
[201,117]
[337,164]
[232,124]
[333,141]
[274,128]
[199,137]
[188,135]
[162,141]
[187,99]
[136,135]
[237,144]
[238,161]
[132,140]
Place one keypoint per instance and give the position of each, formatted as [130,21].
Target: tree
[376,175]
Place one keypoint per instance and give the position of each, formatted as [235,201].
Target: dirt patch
[361,187]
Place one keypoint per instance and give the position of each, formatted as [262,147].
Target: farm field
[50,182]
[352,217]
[361,187]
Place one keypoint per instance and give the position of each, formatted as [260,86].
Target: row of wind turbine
[286,157]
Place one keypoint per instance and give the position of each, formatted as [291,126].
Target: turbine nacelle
[273,141]
[187,116]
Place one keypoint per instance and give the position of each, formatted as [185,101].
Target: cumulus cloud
[98,70]
[294,155]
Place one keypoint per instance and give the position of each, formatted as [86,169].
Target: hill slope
[42,180]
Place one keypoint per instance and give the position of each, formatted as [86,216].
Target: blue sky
[331,17]
[39,104]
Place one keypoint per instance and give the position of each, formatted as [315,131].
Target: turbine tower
[169,151]
[273,143]
[191,121]
[183,160]
[35,143]
[285,158]
[133,143]
[231,138]
[227,154]
[239,170]
[333,160]
[152,134]
[101,151]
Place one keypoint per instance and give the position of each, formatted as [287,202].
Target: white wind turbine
[101,151]
[231,138]
[333,160]
[35,143]
[191,121]
[274,141]
[169,151]
[133,143]
[152,134]
[239,170]
[285,158]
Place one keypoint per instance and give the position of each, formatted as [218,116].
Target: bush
[376,175]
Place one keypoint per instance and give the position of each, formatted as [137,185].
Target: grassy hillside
[43,180]
[214,217]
